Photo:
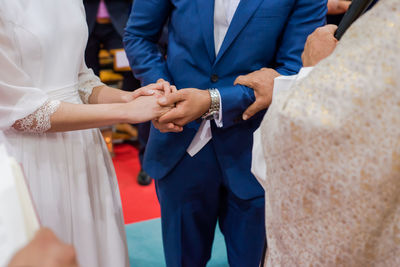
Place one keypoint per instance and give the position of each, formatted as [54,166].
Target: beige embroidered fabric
[332,148]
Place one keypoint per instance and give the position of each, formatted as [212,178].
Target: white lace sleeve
[87,81]
[39,121]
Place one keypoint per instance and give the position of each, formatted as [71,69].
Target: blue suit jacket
[263,33]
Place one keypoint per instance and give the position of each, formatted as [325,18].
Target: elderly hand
[45,250]
[320,44]
[262,82]
[190,104]
[336,7]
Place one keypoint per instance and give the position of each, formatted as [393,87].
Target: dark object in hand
[356,9]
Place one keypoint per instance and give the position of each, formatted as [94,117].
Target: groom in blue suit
[211,43]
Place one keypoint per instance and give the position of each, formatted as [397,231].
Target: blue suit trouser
[193,197]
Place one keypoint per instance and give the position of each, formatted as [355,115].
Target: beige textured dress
[332,150]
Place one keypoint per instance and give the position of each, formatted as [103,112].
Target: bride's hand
[160,88]
[144,108]
[148,90]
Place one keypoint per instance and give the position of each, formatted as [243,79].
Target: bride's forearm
[71,117]
[55,116]
[106,95]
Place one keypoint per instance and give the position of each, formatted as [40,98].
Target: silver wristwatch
[215,105]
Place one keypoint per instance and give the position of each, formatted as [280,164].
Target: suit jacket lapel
[206,13]
[243,14]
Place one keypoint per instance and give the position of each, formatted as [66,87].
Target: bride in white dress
[43,83]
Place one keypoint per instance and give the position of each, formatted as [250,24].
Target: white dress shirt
[224,10]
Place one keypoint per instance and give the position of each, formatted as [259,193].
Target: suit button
[214,78]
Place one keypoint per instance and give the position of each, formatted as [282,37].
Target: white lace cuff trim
[86,89]
[39,121]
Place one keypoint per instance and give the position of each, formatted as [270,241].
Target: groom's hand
[262,82]
[166,127]
[190,104]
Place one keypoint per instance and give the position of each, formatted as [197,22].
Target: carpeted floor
[146,249]
[142,213]
[139,202]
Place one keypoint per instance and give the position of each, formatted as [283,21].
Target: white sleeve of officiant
[258,164]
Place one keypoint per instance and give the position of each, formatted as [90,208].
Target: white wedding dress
[73,183]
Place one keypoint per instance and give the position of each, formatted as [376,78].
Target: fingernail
[151,91]
[163,100]
[245,117]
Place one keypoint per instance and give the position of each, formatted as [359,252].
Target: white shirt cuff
[218,117]
[204,134]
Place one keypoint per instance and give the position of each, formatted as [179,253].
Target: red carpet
[139,203]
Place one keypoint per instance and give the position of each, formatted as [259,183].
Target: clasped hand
[186,106]
[168,108]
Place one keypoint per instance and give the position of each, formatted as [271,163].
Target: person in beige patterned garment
[332,150]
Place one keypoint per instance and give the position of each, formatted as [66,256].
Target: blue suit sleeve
[235,100]
[307,15]
[141,37]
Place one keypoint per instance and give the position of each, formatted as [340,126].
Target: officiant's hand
[336,7]
[45,250]
[190,104]
[320,44]
[262,82]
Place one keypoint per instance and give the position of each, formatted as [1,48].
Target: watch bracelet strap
[215,103]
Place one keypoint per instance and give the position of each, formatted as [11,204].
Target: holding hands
[142,105]
[185,105]
[168,108]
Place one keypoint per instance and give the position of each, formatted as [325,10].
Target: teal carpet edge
[146,249]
